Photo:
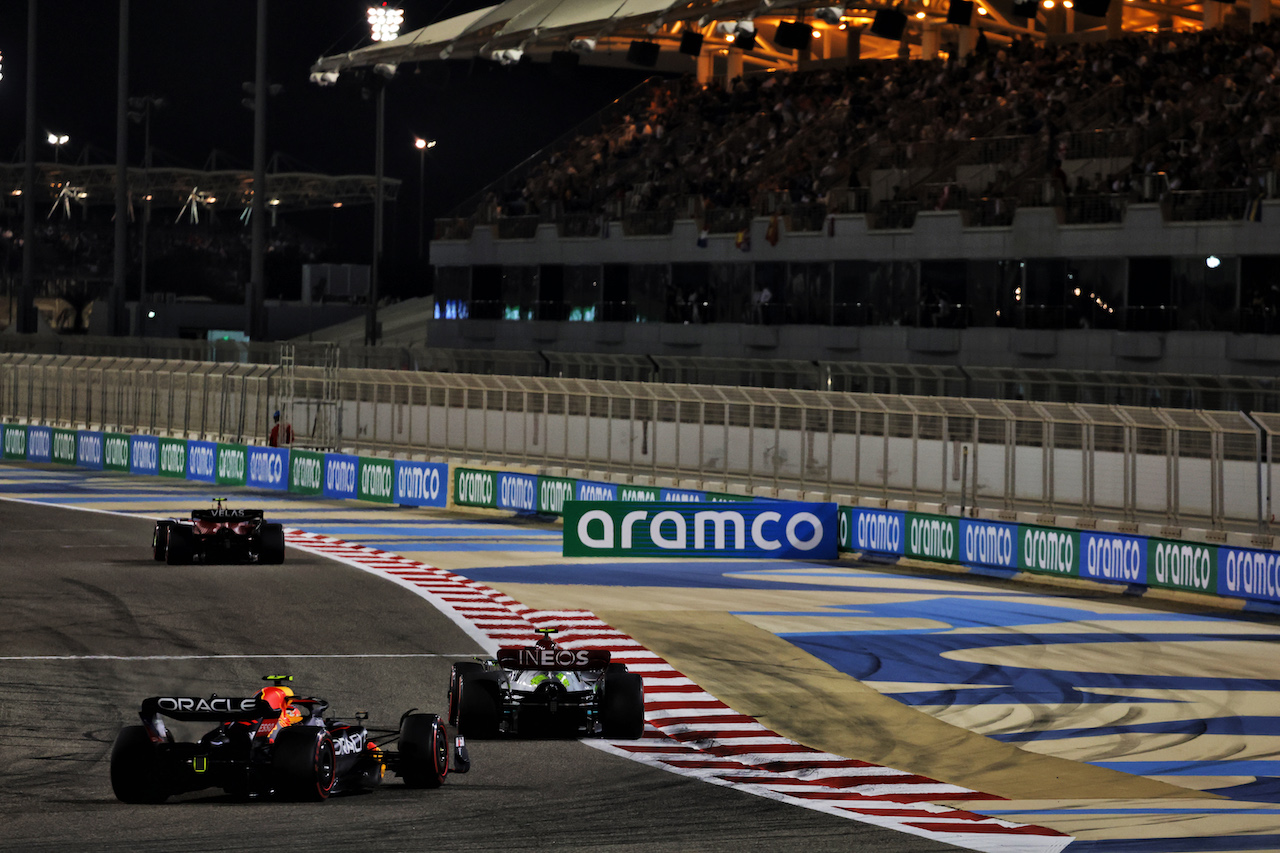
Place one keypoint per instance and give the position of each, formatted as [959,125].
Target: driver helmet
[277,697]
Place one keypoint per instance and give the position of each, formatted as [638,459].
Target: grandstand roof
[537,28]
[62,184]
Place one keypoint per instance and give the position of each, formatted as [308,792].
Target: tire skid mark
[691,733]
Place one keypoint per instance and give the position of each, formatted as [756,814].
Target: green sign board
[639,493]
[1188,566]
[553,492]
[933,537]
[15,442]
[1048,550]
[173,458]
[64,446]
[232,465]
[377,480]
[475,488]
[306,472]
[115,451]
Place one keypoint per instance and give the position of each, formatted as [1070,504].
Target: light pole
[57,141]
[384,25]
[140,110]
[422,145]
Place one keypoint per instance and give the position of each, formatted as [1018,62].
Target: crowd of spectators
[1185,111]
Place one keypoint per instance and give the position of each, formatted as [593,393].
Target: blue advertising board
[39,444]
[588,490]
[421,483]
[879,531]
[1113,557]
[988,543]
[267,468]
[341,476]
[1246,573]
[202,461]
[89,449]
[144,454]
[518,492]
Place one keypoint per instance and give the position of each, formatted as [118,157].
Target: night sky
[197,53]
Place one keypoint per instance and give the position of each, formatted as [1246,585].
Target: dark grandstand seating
[1175,113]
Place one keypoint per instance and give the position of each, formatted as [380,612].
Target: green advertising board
[1048,550]
[15,442]
[553,492]
[306,472]
[933,537]
[725,498]
[472,487]
[1187,566]
[376,479]
[639,493]
[115,452]
[64,446]
[233,464]
[173,458]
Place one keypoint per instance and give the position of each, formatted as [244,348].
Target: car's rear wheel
[271,550]
[424,751]
[460,670]
[303,763]
[160,540]
[182,546]
[136,775]
[622,706]
[479,709]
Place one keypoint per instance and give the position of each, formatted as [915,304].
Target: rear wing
[534,657]
[228,514]
[213,709]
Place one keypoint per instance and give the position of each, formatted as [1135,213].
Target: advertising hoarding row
[652,523]
[301,472]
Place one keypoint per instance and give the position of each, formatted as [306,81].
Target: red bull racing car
[218,535]
[274,744]
[546,690]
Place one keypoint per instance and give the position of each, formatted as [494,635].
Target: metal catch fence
[1172,466]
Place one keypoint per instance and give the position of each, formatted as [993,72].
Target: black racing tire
[182,546]
[622,706]
[136,775]
[615,668]
[465,669]
[160,540]
[479,708]
[304,764]
[424,751]
[271,549]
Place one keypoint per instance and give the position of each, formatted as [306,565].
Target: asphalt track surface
[1127,725]
[81,589]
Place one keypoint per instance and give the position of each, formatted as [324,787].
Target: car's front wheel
[160,540]
[424,751]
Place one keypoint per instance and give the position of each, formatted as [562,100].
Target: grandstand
[1092,194]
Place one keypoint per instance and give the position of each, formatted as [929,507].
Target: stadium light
[57,141]
[385,22]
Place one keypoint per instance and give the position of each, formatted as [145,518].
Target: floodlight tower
[422,145]
[384,25]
